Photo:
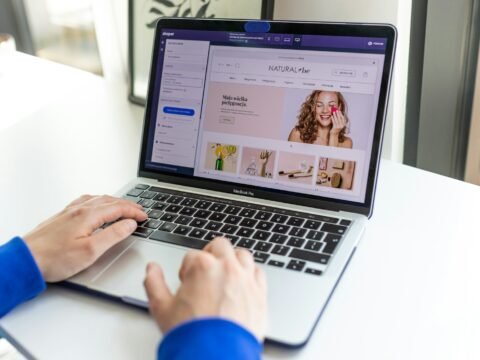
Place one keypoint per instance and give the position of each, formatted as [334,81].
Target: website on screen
[300,121]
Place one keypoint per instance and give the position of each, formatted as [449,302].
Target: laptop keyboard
[277,237]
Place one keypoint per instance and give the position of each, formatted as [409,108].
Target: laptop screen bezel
[282,27]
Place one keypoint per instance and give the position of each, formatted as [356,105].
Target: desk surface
[410,292]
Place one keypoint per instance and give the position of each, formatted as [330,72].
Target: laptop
[268,133]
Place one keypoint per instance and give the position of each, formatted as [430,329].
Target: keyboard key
[245,232]
[229,229]
[312,224]
[168,217]
[216,216]
[278,238]
[263,246]
[175,199]
[246,243]
[345,222]
[135,192]
[183,220]
[212,235]
[198,223]
[313,271]
[141,186]
[263,215]
[178,240]
[326,219]
[148,195]
[232,210]
[203,214]
[232,219]
[162,197]
[280,250]
[167,226]
[313,245]
[296,242]
[217,207]
[295,231]
[334,229]
[213,225]
[331,241]
[276,263]
[188,211]
[202,204]
[260,257]
[146,203]
[309,256]
[264,225]
[143,232]
[159,206]
[155,214]
[131,198]
[296,265]
[139,223]
[233,239]
[295,221]
[173,208]
[189,202]
[198,233]
[282,229]
[315,235]
[248,213]
[280,219]
[153,224]
[182,230]
[261,235]
[249,223]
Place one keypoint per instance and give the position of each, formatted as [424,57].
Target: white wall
[396,12]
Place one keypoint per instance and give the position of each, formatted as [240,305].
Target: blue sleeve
[209,338]
[20,277]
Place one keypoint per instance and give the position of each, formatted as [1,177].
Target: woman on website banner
[323,120]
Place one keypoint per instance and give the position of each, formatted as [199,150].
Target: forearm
[20,278]
[213,338]
[333,139]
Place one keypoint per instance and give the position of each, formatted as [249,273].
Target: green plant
[177,9]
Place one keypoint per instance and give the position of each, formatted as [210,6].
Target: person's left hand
[69,242]
[338,122]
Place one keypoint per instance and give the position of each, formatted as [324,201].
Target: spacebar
[178,239]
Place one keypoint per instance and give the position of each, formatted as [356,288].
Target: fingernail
[132,225]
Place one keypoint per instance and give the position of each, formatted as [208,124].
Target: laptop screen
[289,112]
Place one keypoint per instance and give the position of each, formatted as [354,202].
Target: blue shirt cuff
[209,338]
[20,277]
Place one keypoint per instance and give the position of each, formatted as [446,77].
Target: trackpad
[124,278]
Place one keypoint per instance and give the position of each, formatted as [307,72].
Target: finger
[109,212]
[260,278]
[159,295]
[220,247]
[111,235]
[188,260]
[245,259]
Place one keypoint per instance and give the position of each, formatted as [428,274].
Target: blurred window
[64,31]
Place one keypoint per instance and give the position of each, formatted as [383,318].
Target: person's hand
[217,281]
[68,242]
[338,122]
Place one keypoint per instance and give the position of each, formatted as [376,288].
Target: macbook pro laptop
[268,133]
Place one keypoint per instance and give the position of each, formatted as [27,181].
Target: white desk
[411,290]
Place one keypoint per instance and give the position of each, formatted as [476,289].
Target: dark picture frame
[143,15]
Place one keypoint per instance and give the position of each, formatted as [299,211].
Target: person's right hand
[218,281]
